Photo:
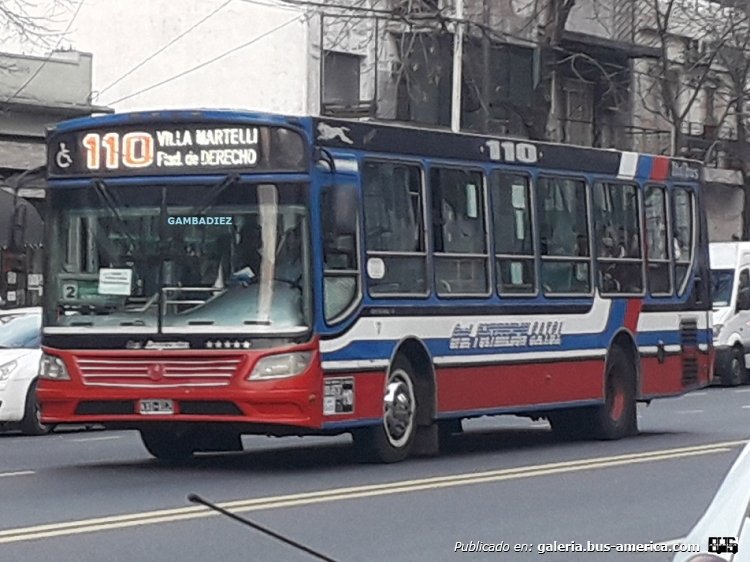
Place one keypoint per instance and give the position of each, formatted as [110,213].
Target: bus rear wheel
[167,445]
[614,419]
[393,439]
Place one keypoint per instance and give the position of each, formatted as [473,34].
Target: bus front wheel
[393,439]
[167,445]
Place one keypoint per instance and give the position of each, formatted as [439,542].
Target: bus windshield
[232,257]
[721,287]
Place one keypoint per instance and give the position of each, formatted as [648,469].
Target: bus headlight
[281,366]
[53,368]
[717,330]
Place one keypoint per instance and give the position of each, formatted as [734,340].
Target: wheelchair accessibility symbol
[63,158]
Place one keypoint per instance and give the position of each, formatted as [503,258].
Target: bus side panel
[468,389]
[666,378]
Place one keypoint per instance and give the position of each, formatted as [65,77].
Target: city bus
[211,274]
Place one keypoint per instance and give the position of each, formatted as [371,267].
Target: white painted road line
[746,407]
[742,390]
[690,411]
[103,438]
[691,394]
[17,473]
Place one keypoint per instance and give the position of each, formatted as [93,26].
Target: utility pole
[458,56]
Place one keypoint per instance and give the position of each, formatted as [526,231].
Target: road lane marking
[689,411]
[742,390]
[696,394]
[746,406]
[16,473]
[99,524]
[103,438]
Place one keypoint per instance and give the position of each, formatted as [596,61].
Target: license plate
[156,407]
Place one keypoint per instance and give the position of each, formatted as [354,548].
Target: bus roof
[419,141]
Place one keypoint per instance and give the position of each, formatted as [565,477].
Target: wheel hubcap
[399,408]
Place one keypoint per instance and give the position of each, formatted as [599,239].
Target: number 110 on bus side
[133,150]
[510,151]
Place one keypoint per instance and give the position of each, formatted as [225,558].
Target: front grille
[689,344]
[110,407]
[209,408]
[166,372]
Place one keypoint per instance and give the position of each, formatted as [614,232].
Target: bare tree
[27,22]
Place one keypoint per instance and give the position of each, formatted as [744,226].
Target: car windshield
[20,331]
[721,287]
[225,257]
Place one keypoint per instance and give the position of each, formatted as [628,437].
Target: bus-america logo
[506,334]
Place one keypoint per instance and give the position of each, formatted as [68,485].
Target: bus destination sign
[155,151]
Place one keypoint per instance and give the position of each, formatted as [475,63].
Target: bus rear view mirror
[344,208]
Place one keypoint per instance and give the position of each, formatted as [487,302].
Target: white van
[730,293]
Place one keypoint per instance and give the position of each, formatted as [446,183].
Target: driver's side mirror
[343,202]
[743,299]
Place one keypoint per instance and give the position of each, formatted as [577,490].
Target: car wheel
[736,373]
[31,424]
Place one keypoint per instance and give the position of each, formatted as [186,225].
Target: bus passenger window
[618,238]
[564,236]
[683,235]
[659,272]
[341,279]
[512,229]
[459,232]
[394,229]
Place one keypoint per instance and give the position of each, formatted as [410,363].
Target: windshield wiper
[213,194]
[102,190]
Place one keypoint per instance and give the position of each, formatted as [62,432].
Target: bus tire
[736,372]
[31,424]
[393,439]
[167,445]
[618,416]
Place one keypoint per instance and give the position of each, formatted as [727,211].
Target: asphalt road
[97,496]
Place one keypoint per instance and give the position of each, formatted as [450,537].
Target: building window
[618,238]
[341,80]
[564,236]
[659,270]
[394,225]
[512,230]
[459,232]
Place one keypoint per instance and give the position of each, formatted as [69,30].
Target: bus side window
[514,244]
[459,231]
[684,235]
[618,238]
[341,281]
[564,236]
[394,229]
[659,272]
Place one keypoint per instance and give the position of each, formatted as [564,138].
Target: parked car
[20,353]
[724,530]
[730,280]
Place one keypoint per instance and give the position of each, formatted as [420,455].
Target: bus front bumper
[66,403]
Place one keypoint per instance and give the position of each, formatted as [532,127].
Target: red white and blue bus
[213,273]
